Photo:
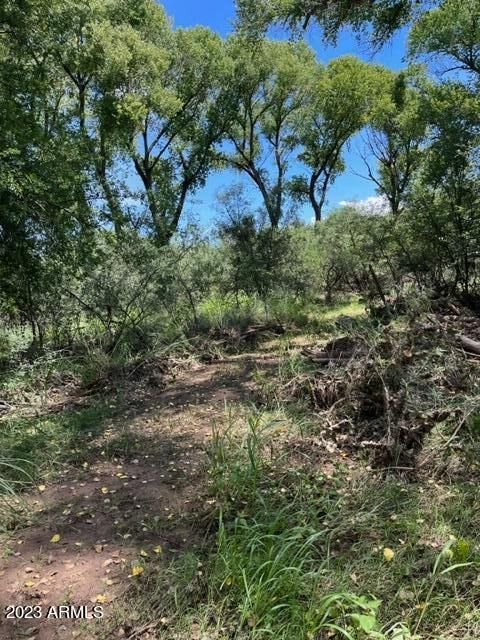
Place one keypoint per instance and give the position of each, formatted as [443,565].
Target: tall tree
[137,95]
[443,205]
[45,220]
[450,32]
[379,19]
[69,43]
[273,81]
[336,108]
[394,137]
[169,118]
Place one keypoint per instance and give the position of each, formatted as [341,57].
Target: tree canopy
[113,120]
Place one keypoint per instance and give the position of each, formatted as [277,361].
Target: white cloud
[373,205]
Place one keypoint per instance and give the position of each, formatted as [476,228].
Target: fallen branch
[469,345]
[325,360]
[254,331]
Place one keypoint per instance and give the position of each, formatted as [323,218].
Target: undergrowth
[41,445]
[310,547]
[281,564]
[306,537]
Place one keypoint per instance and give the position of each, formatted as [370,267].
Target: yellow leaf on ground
[41,487]
[29,584]
[104,490]
[144,554]
[55,538]
[98,548]
[101,599]
[388,554]
[137,570]
[158,550]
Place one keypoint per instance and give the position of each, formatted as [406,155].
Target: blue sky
[219,15]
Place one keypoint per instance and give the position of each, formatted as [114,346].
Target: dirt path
[136,503]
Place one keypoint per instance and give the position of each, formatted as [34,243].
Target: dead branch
[469,345]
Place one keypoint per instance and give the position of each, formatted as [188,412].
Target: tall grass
[13,477]
[269,574]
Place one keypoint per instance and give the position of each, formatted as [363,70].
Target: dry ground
[127,507]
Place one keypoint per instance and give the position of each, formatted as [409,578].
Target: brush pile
[383,390]
[234,340]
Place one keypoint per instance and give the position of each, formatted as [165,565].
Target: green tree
[259,256]
[170,118]
[273,81]
[134,92]
[379,19]
[443,206]
[336,108]
[450,32]
[394,138]
[46,222]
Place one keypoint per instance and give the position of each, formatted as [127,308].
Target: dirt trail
[113,512]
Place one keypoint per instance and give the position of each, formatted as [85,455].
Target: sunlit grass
[352,308]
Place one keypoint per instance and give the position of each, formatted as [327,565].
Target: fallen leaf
[158,550]
[104,490]
[101,598]
[388,554]
[56,538]
[41,487]
[137,570]
[144,554]
[98,548]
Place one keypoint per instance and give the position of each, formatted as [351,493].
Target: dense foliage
[113,120]
[306,484]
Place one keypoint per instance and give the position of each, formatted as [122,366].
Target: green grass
[295,544]
[41,449]
[44,444]
[220,312]
[352,308]
[299,551]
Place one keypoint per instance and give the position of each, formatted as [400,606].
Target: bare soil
[113,511]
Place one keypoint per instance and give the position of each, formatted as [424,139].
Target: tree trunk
[317,209]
